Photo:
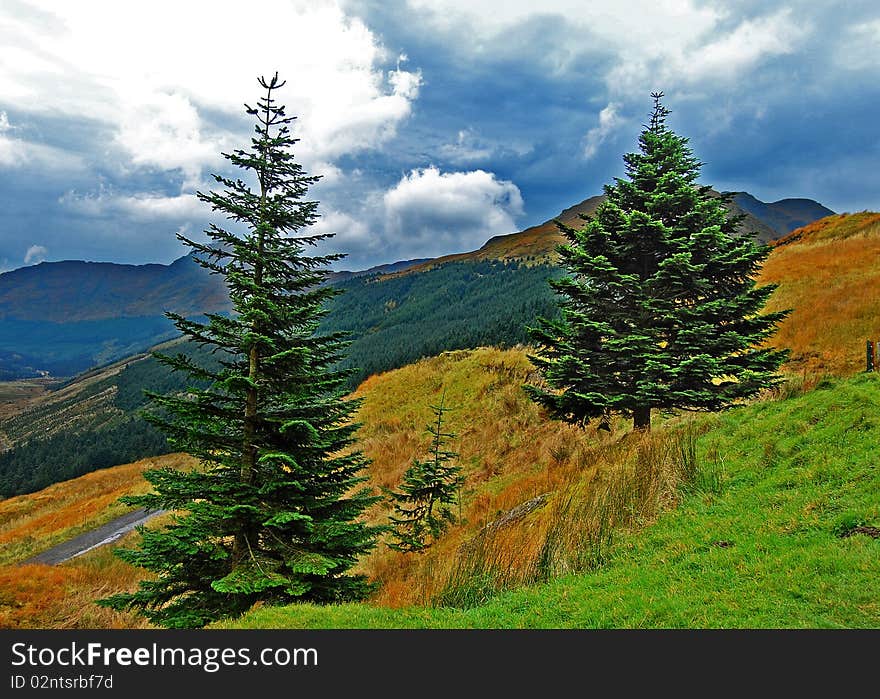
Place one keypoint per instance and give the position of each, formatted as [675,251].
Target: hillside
[74,291]
[777,527]
[66,317]
[42,596]
[744,519]
[389,268]
[87,424]
[828,273]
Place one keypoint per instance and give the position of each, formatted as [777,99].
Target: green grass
[758,547]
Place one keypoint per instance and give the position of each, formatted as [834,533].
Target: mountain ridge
[767,222]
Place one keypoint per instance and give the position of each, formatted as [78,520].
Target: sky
[434,124]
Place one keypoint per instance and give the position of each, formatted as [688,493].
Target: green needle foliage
[422,507]
[659,307]
[273,514]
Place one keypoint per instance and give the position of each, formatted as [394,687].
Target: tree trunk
[642,418]
[240,546]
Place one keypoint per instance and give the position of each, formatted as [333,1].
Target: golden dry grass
[511,453]
[828,274]
[42,596]
[63,597]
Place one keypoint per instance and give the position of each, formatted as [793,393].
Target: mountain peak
[782,216]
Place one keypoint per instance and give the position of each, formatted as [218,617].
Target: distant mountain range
[62,318]
[65,317]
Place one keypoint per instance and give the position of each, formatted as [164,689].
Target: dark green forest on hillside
[96,428]
[393,321]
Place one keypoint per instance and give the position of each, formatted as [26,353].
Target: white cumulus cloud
[169,80]
[430,213]
[163,131]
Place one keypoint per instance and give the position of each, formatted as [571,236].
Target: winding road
[105,534]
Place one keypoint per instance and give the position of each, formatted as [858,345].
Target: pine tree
[272,514]
[659,307]
[422,505]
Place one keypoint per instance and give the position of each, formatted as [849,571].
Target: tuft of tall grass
[37,596]
[635,480]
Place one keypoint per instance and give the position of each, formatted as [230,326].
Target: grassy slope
[511,454]
[828,273]
[798,472]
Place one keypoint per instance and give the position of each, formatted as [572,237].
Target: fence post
[869,356]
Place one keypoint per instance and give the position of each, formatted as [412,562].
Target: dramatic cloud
[178,106]
[638,25]
[35,254]
[140,207]
[112,114]
[151,95]
[720,56]
[429,213]
[16,152]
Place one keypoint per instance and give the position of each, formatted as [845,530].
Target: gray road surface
[105,534]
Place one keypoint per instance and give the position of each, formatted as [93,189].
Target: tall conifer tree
[273,514]
[659,308]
